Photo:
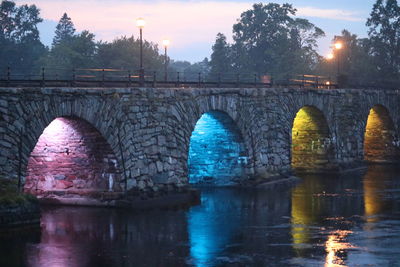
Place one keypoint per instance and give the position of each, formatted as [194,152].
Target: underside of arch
[380,141]
[311,147]
[71,156]
[217,154]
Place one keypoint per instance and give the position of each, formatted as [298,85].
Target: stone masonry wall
[379,143]
[217,155]
[311,148]
[149,129]
[71,155]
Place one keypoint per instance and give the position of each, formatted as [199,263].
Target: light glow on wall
[380,142]
[216,152]
[71,155]
[311,144]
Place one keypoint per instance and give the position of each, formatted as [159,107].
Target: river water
[326,220]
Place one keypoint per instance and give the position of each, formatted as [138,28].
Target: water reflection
[213,225]
[330,211]
[219,228]
[336,248]
[376,181]
[102,237]
[14,242]
[304,210]
[321,204]
[325,220]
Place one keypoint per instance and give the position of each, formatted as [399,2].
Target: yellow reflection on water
[301,217]
[374,203]
[335,248]
[305,210]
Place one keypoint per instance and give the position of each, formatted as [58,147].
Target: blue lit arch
[217,154]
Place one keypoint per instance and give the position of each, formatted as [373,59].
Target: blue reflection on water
[213,225]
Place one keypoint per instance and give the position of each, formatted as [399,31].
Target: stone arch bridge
[140,137]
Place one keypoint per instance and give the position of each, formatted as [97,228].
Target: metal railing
[94,77]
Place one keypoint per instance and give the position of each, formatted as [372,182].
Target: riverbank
[137,200]
[17,208]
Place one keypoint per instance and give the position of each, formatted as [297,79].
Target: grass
[9,195]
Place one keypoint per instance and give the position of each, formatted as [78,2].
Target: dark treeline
[267,40]
[270,39]
[22,51]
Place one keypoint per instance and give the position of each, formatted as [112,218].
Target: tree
[179,66]
[192,72]
[267,39]
[303,42]
[20,46]
[220,62]
[69,50]
[355,58]
[7,18]
[124,53]
[77,52]
[384,33]
[64,31]
[189,71]
[19,24]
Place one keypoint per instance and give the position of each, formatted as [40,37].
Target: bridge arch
[381,143]
[72,156]
[36,116]
[182,120]
[217,153]
[311,142]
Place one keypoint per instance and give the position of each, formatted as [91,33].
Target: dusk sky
[191,25]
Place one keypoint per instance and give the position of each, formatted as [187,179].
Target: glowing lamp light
[330,56]
[166,42]
[328,83]
[140,22]
[338,45]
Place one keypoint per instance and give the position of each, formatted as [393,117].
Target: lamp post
[338,46]
[166,43]
[329,57]
[140,22]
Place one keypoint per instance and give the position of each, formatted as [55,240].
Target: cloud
[336,14]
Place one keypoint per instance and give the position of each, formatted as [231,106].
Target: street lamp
[140,23]
[329,57]
[338,46]
[166,43]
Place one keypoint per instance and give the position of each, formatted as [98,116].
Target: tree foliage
[64,31]
[70,50]
[375,60]
[384,33]
[78,51]
[19,37]
[124,53]
[221,59]
[268,39]
[355,60]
